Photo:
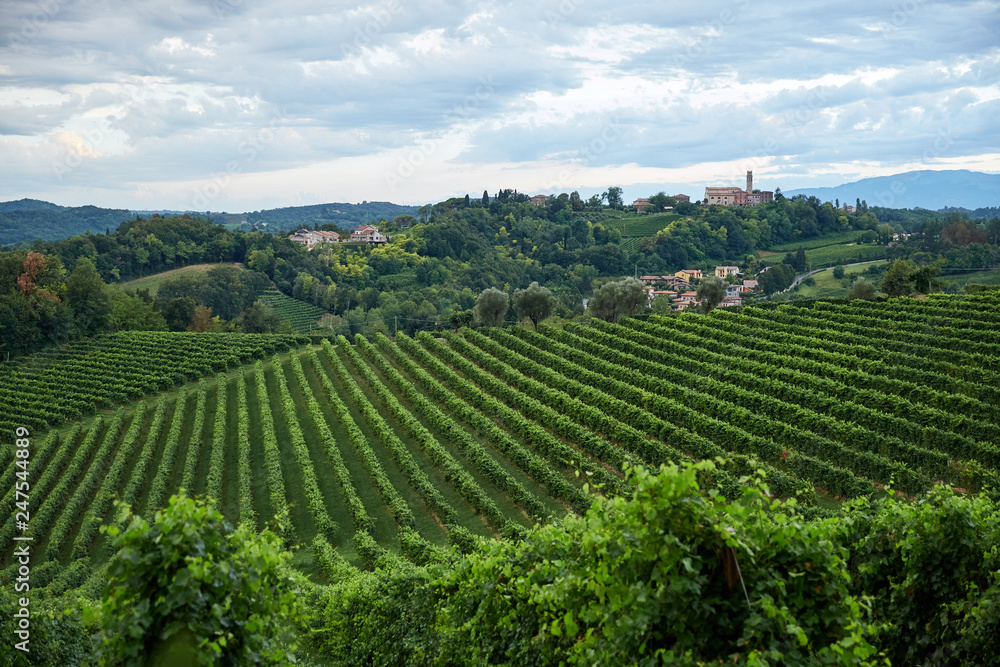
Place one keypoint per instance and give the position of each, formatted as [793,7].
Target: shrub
[188,585]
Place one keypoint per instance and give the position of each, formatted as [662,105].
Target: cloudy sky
[238,105]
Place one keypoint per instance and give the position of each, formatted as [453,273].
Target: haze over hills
[31,219]
[934,190]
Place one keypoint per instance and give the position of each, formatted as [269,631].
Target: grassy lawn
[153,282]
[828,287]
[840,238]
[960,280]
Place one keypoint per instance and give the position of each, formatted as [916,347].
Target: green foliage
[614,300]
[535,303]
[897,281]
[671,574]
[862,288]
[776,278]
[838,272]
[711,292]
[932,571]
[188,583]
[491,307]
[88,296]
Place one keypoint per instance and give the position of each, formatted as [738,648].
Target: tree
[838,272]
[189,587]
[486,199]
[491,307]
[776,278]
[575,202]
[897,281]
[922,275]
[202,319]
[89,298]
[536,303]
[618,299]
[179,313]
[711,291]
[258,318]
[461,318]
[800,263]
[613,195]
[861,289]
[661,201]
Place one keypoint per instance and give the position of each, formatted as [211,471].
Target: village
[678,287]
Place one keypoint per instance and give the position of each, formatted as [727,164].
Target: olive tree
[535,303]
[711,292]
[622,298]
[491,307]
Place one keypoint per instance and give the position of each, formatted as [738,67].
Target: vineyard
[405,446]
[304,317]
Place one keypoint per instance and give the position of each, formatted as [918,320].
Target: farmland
[303,317]
[358,451]
[494,431]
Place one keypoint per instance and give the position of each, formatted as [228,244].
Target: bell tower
[749,182]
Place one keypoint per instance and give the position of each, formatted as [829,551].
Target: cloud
[153,100]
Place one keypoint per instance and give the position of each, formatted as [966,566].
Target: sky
[242,105]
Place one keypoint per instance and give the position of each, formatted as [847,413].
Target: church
[733,196]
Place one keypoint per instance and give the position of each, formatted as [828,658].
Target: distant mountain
[346,216]
[28,220]
[31,219]
[932,190]
[29,205]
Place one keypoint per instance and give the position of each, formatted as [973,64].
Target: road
[803,276]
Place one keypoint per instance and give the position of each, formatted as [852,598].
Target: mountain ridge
[929,189]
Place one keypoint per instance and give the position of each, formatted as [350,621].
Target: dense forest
[435,266]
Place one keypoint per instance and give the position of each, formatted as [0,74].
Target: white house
[310,239]
[368,234]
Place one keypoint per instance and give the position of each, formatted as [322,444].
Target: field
[828,287]
[829,250]
[399,447]
[956,282]
[634,227]
[152,283]
[304,317]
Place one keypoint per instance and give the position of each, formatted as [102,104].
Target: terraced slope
[378,449]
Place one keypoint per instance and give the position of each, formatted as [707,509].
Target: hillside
[344,215]
[916,189]
[29,219]
[367,451]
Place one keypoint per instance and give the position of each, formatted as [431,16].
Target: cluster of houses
[677,287]
[364,234]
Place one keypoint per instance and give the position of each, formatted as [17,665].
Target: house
[670,281]
[641,204]
[678,306]
[310,239]
[539,200]
[689,274]
[731,302]
[676,283]
[726,271]
[682,199]
[368,234]
[733,290]
[750,285]
[733,196]
[688,297]
[847,209]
